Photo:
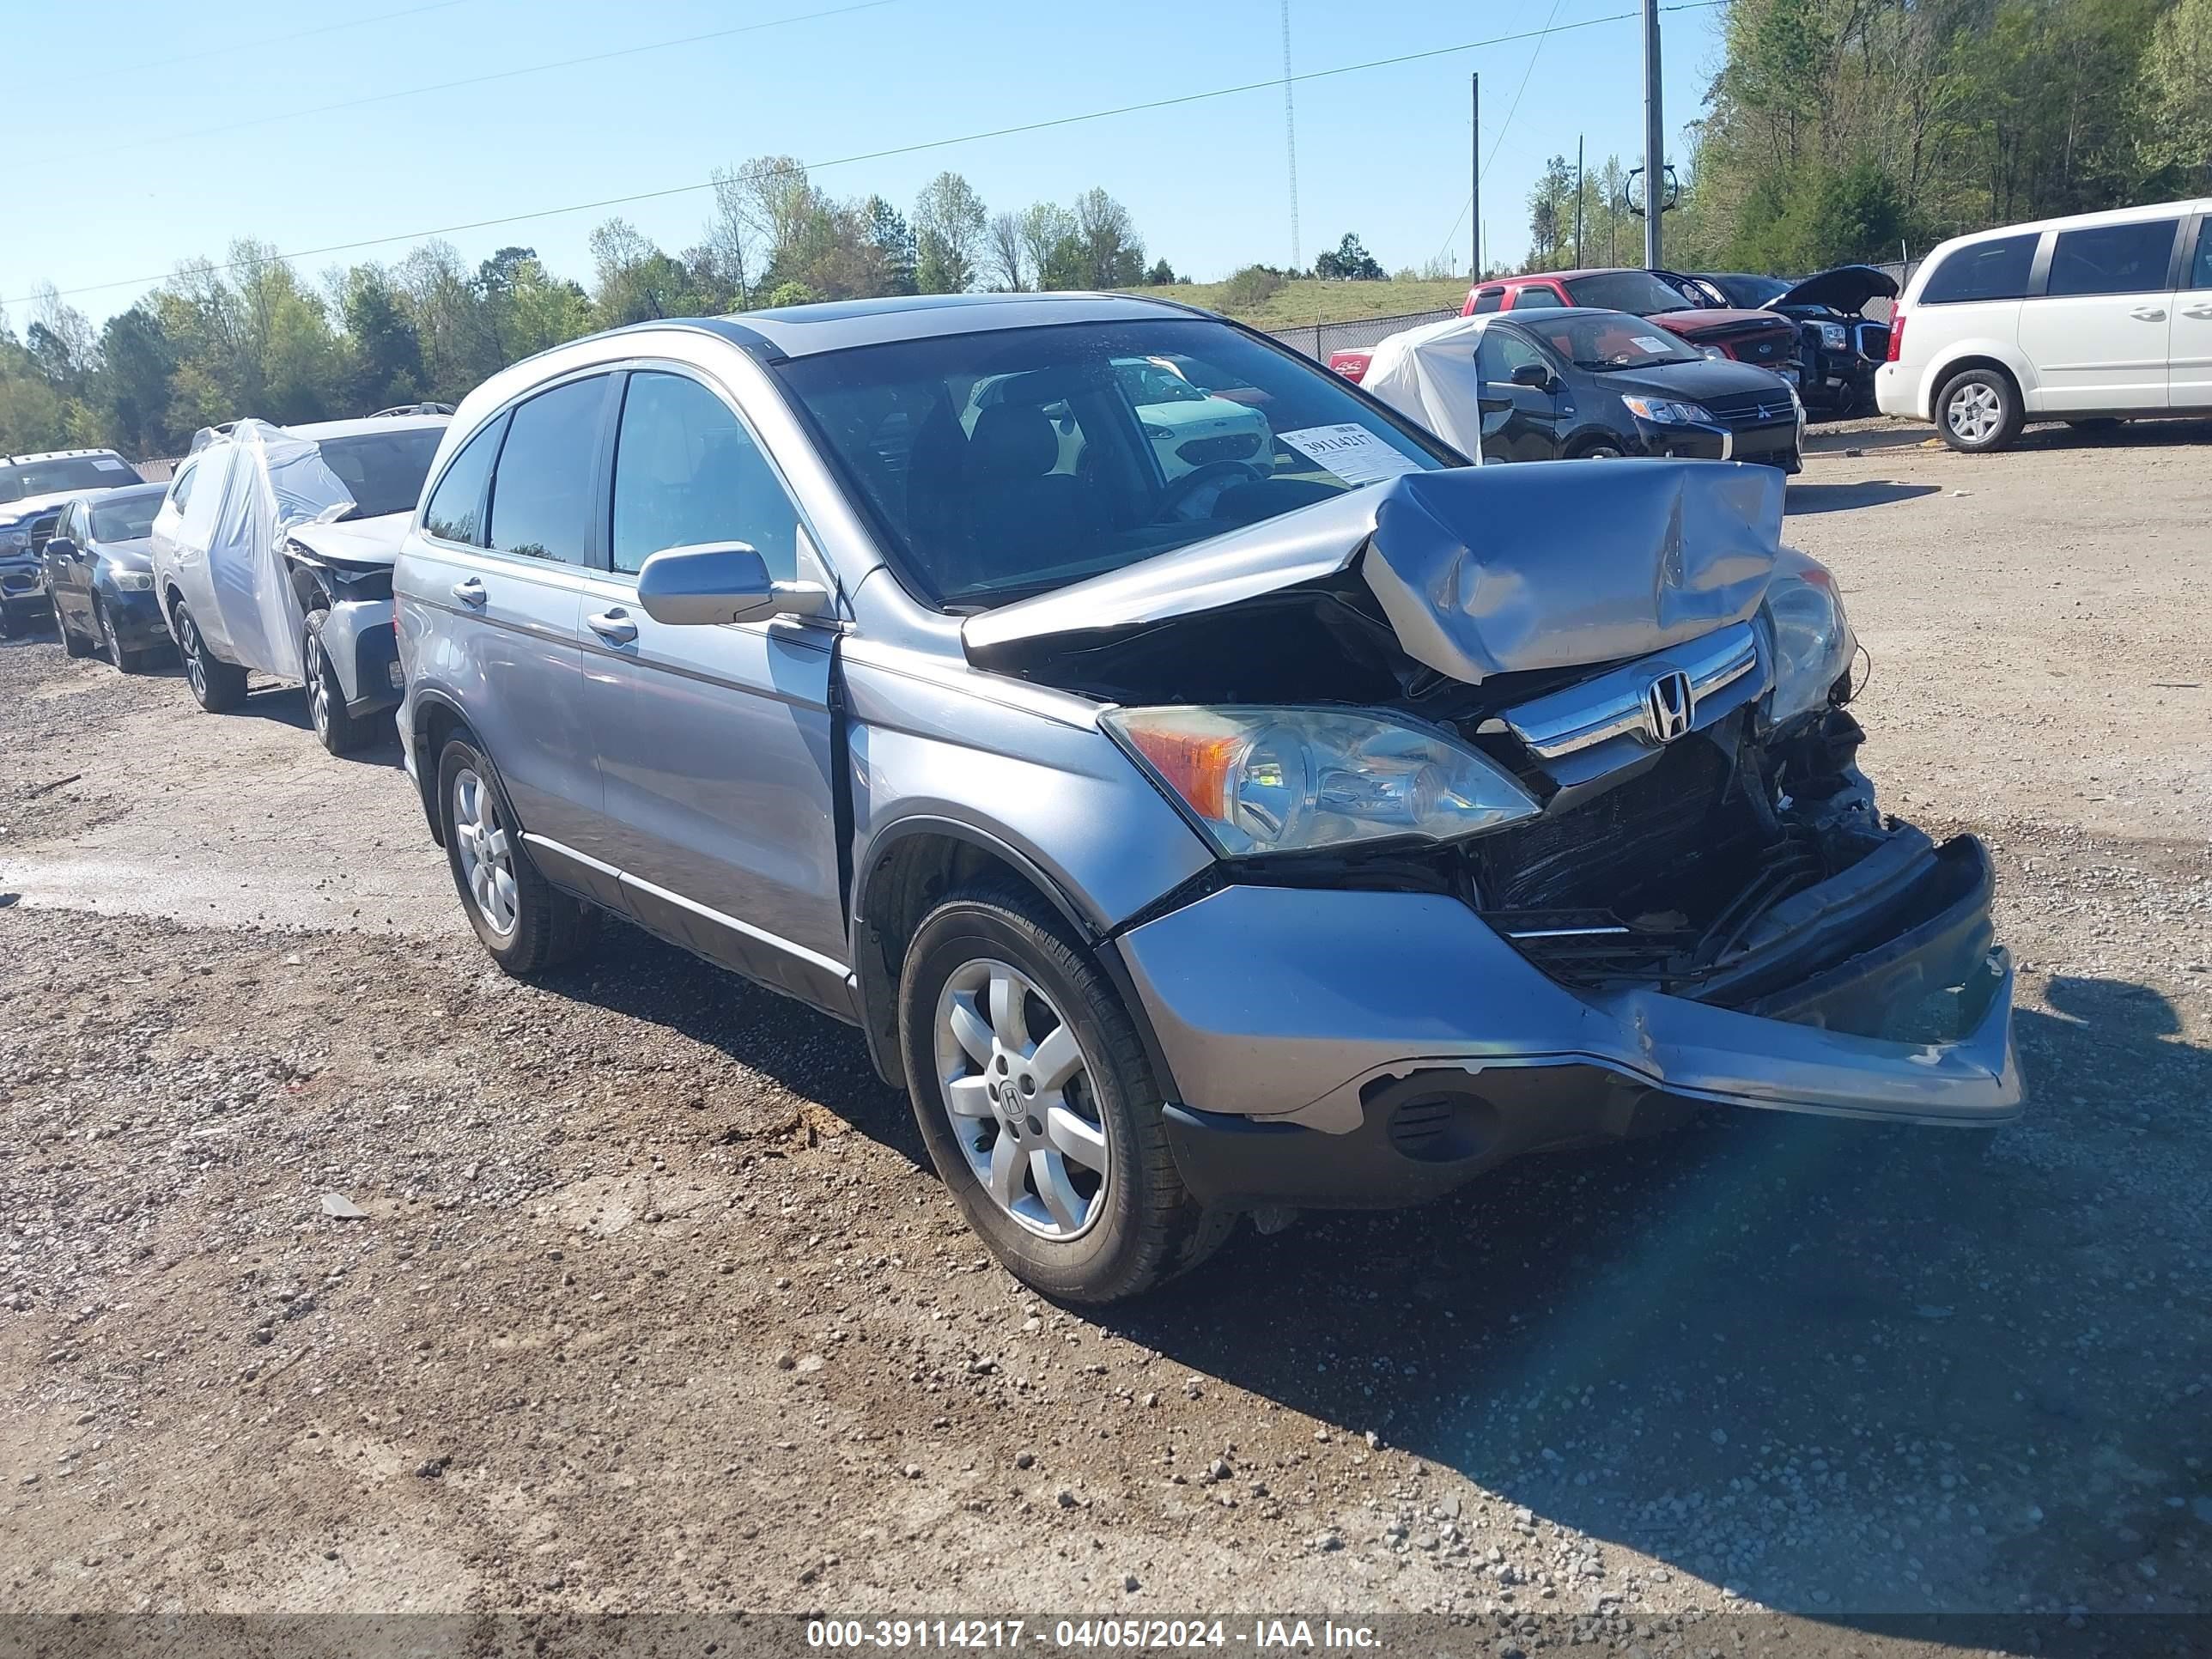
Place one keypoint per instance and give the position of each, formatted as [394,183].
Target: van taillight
[1896,336]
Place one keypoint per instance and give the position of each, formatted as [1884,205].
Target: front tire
[1978,412]
[526,924]
[218,686]
[1032,1092]
[335,728]
[74,646]
[111,647]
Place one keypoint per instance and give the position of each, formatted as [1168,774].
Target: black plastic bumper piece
[1419,1137]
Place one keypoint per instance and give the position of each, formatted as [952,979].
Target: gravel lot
[653,1305]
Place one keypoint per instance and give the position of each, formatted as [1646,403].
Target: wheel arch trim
[876,975]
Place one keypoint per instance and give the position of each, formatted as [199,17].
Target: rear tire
[525,922]
[1978,412]
[218,686]
[337,729]
[1094,1225]
[74,646]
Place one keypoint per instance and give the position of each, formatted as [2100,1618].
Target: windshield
[126,519]
[1639,291]
[1004,464]
[1749,292]
[383,471]
[1606,340]
[71,472]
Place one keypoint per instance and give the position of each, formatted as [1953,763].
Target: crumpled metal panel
[1480,571]
[1549,565]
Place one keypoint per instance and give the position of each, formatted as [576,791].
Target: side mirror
[716,582]
[61,547]
[1532,374]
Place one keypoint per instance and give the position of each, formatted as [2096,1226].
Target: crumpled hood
[1846,289]
[1479,570]
[354,541]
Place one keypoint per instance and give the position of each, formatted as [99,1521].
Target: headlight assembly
[1833,337]
[1813,641]
[132,581]
[1264,780]
[14,538]
[1665,413]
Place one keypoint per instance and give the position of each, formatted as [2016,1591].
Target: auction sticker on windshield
[1350,452]
[1645,343]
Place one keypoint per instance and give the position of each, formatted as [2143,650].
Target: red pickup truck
[1758,337]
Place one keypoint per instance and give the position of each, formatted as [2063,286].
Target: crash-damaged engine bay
[1693,846]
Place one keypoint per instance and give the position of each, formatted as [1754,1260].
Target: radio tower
[1290,136]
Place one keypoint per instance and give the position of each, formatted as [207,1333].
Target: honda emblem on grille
[1669,705]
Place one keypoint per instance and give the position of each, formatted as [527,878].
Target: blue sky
[126,179]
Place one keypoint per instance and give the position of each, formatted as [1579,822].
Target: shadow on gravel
[1841,497]
[286,705]
[1814,1362]
[2119,435]
[817,1058]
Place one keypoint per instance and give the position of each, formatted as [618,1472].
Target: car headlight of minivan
[1813,640]
[133,581]
[1266,780]
[1666,413]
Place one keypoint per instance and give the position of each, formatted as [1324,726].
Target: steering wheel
[1205,484]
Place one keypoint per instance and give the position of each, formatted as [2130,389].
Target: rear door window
[1995,270]
[541,490]
[2130,259]
[1488,299]
[2200,268]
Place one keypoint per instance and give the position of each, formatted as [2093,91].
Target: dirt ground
[654,1306]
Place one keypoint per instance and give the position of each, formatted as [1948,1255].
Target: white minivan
[2102,316]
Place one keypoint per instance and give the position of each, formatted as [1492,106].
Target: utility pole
[1578,200]
[1290,136]
[1654,138]
[1475,172]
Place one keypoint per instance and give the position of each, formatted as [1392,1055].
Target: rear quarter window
[1995,270]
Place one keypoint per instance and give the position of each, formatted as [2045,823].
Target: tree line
[250,336]
[1838,131]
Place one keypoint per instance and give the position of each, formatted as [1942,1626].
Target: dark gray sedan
[99,573]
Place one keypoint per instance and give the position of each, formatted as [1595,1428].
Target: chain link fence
[1317,340]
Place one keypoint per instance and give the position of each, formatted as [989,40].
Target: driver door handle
[613,626]
[2148,313]
[471,592]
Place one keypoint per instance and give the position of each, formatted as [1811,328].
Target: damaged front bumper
[1336,1048]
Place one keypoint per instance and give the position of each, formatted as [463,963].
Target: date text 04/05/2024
[1166,1635]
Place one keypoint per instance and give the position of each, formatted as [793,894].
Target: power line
[280,39]
[1512,110]
[167,138]
[1692,5]
[870,155]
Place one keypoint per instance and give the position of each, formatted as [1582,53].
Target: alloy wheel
[487,855]
[1018,1088]
[318,687]
[1974,412]
[188,643]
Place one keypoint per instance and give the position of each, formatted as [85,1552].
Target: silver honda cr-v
[1199,814]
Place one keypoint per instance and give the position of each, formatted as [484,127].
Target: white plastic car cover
[1428,374]
[256,484]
